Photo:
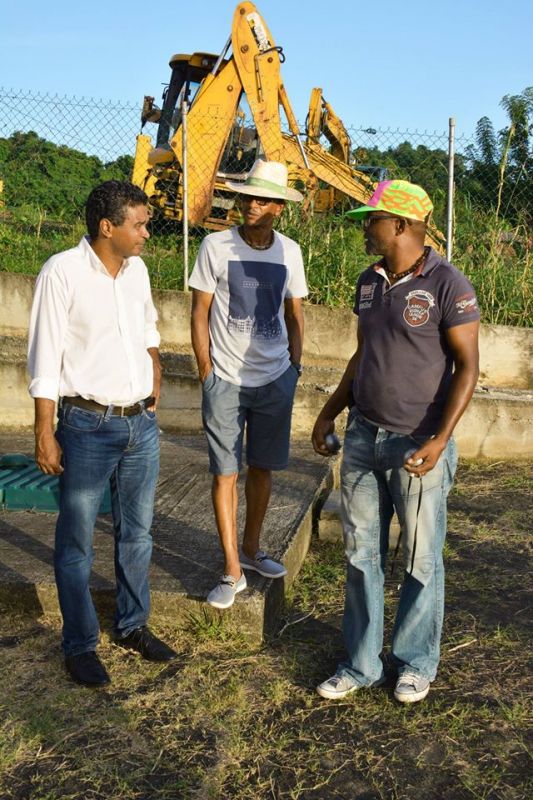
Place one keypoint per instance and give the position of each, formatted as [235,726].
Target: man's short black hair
[109,201]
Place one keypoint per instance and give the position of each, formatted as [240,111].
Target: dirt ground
[230,721]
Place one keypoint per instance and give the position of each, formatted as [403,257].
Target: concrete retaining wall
[497,424]
[506,352]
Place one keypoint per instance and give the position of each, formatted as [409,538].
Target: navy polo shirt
[404,371]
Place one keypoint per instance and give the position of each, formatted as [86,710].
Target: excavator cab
[188,72]
[155,167]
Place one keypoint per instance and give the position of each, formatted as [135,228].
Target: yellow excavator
[203,107]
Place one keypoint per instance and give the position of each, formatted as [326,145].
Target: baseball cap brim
[359,213]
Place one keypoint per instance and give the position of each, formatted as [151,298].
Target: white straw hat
[267,179]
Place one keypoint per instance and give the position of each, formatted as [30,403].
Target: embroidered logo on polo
[367,291]
[366,295]
[416,312]
[466,304]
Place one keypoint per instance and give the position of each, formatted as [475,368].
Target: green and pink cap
[397,197]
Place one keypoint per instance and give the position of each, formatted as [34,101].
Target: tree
[500,175]
[54,178]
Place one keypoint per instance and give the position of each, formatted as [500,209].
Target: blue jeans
[374,485]
[99,449]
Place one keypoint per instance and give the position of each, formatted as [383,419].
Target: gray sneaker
[411,687]
[336,687]
[263,564]
[339,686]
[223,595]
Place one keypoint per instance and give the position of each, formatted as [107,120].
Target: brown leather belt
[118,411]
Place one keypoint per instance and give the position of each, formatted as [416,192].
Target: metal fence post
[451,164]
[185,196]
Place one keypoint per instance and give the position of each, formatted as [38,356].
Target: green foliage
[500,174]
[420,164]
[28,238]
[496,256]
[53,177]
[45,187]
[333,253]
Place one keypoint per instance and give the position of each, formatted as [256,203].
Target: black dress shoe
[87,669]
[149,646]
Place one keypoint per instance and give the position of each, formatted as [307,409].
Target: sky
[400,65]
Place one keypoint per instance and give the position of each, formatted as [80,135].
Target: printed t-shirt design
[255,295]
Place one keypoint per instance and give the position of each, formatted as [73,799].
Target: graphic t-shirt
[403,375]
[249,344]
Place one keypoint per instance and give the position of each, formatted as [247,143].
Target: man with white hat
[247,332]
[407,385]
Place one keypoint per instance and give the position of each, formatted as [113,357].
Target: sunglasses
[261,201]
[369,220]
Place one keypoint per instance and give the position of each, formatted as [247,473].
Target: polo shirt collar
[433,260]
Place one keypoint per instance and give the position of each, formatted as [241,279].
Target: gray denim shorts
[264,411]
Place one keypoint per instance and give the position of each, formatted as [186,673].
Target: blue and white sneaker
[263,564]
[223,595]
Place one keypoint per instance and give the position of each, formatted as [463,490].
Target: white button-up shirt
[89,333]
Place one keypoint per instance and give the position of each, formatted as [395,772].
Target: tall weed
[498,260]
[496,257]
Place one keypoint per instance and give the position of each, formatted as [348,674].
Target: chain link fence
[54,150]
[58,144]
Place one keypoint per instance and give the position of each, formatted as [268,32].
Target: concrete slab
[186,557]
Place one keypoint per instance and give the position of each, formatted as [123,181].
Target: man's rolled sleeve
[151,334]
[48,324]
[152,337]
[44,387]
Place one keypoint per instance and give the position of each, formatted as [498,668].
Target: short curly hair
[109,201]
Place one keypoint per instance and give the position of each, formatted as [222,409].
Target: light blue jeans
[374,485]
[98,450]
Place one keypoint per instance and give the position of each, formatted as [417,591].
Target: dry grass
[227,721]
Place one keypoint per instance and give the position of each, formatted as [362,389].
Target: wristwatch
[298,368]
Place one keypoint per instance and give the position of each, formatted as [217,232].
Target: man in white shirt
[247,335]
[93,345]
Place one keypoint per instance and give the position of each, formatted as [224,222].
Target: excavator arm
[322,120]
[257,61]
[253,69]
[209,122]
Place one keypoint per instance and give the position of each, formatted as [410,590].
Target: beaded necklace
[396,276]
[257,246]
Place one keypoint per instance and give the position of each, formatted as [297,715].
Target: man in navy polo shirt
[407,385]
